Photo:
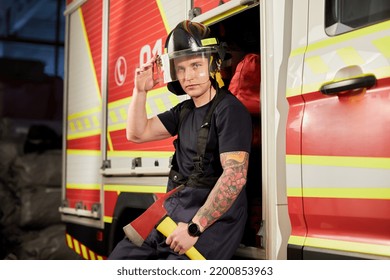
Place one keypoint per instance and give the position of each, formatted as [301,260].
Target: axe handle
[167,226]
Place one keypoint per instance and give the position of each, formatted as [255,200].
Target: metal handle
[136,172]
[348,84]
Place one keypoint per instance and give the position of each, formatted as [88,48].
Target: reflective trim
[347,246]
[81,249]
[135,188]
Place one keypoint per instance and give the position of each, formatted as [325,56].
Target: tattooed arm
[220,199]
[226,190]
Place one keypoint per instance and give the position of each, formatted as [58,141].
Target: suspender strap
[195,179]
[187,106]
[204,132]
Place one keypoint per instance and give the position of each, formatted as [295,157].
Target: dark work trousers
[218,242]
[154,248]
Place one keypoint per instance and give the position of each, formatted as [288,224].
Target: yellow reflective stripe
[79,125]
[315,87]
[135,188]
[72,126]
[119,103]
[296,240]
[158,91]
[382,72]
[382,44]
[174,99]
[84,113]
[163,16]
[69,241]
[76,246]
[349,246]
[350,56]
[123,113]
[294,191]
[107,219]
[87,123]
[109,142]
[342,38]
[335,192]
[115,127]
[362,162]
[317,65]
[83,134]
[84,252]
[155,96]
[83,152]
[293,159]
[357,193]
[81,249]
[76,186]
[95,121]
[298,51]
[293,91]
[160,105]
[144,154]
[92,255]
[113,116]
[149,110]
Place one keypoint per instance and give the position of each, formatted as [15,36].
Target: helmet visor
[186,65]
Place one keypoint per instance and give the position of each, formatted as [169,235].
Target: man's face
[193,74]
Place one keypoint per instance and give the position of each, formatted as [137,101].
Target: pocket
[186,203]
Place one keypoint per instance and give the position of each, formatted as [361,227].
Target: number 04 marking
[146,52]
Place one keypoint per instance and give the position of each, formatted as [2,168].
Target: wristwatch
[193,229]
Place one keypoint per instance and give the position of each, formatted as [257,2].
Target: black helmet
[189,38]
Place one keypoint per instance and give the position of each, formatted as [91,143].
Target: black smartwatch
[193,229]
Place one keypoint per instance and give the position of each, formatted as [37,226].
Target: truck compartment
[241,35]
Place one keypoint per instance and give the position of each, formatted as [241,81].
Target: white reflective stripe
[347,177]
[325,176]
[293,175]
[83,168]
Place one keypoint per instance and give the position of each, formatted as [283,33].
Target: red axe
[156,217]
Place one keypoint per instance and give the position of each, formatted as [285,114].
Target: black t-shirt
[231,130]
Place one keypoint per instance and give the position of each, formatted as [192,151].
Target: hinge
[136,162]
[248,2]
[106,164]
[194,12]
[261,234]
[96,208]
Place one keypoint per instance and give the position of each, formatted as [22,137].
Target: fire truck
[319,175]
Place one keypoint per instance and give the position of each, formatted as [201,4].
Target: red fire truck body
[320,183]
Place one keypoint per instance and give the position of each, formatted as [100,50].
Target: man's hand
[143,78]
[180,241]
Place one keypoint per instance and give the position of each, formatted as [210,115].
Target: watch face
[193,229]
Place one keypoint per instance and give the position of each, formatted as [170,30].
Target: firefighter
[212,149]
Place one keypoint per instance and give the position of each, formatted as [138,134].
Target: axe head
[140,228]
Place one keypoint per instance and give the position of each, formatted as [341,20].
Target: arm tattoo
[227,188]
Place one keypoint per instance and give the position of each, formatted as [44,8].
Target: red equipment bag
[245,83]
